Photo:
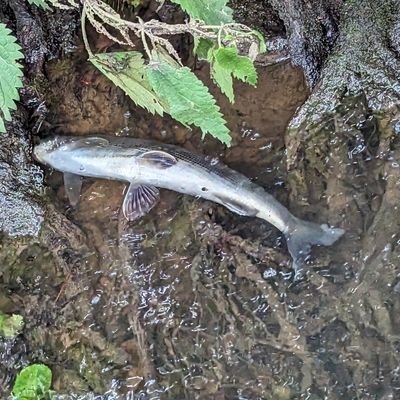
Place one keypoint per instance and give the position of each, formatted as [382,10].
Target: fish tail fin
[303,234]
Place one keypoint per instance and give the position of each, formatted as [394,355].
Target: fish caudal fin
[302,235]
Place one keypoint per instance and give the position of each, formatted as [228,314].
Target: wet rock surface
[21,186]
[21,183]
[312,29]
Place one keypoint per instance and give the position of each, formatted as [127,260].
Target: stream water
[193,302]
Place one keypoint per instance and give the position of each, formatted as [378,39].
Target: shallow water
[194,302]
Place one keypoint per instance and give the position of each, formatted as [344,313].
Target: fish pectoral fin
[139,200]
[236,207]
[159,158]
[73,186]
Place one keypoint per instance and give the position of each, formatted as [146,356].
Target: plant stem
[144,40]
[158,28]
[83,27]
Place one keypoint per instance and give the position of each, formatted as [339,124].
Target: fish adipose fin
[73,186]
[139,200]
[302,235]
[159,158]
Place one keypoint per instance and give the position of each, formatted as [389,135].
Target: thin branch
[157,28]
[83,27]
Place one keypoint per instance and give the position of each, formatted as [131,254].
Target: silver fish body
[149,165]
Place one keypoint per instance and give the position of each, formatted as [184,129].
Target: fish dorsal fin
[96,141]
[159,158]
[139,200]
[73,186]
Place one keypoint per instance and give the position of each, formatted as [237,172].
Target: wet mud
[194,302]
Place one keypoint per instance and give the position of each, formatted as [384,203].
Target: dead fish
[149,165]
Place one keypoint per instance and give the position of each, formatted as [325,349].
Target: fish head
[57,152]
[52,149]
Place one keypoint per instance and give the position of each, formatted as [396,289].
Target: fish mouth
[39,152]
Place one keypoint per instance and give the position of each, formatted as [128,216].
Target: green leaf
[10,325]
[188,100]
[40,3]
[32,383]
[225,63]
[161,55]
[127,71]
[262,46]
[223,78]
[10,74]
[213,12]
[241,67]
[202,47]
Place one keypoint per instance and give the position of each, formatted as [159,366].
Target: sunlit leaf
[223,78]
[188,99]
[127,71]
[40,3]
[226,62]
[241,67]
[212,12]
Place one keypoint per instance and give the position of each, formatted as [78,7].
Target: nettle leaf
[161,55]
[241,67]
[127,71]
[213,12]
[10,74]
[223,78]
[262,46]
[226,62]
[202,47]
[32,383]
[40,3]
[188,99]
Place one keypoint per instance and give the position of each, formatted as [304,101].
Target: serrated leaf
[188,99]
[213,12]
[161,55]
[10,74]
[32,383]
[241,67]
[225,63]
[223,78]
[262,46]
[40,3]
[202,47]
[127,71]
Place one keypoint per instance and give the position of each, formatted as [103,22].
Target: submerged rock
[21,183]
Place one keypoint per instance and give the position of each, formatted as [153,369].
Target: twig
[83,27]
[156,28]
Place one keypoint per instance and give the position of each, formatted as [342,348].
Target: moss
[10,325]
